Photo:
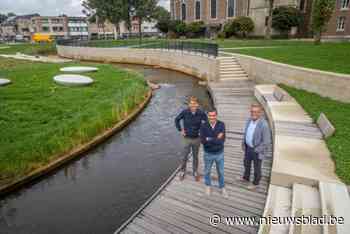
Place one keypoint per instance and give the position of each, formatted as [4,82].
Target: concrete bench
[298,158]
[325,126]
[278,95]
[303,181]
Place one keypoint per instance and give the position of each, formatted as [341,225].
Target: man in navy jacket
[212,134]
[192,118]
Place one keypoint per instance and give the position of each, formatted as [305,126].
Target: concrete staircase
[299,198]
[230,69]
[327,199]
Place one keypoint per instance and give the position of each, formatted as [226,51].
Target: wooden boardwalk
[182,206]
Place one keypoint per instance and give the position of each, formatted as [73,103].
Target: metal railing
[202,48]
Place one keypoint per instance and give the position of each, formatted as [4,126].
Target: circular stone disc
[78,69]
[73,80]
[4,82]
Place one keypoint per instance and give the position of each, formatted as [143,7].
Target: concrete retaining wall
[203,67]
[326,84]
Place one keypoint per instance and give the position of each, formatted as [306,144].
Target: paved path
[183,207]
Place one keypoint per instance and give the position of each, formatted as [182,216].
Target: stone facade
[259,10]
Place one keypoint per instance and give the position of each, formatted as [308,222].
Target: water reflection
[96,193]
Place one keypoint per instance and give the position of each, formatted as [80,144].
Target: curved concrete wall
[326,84]
[203,67]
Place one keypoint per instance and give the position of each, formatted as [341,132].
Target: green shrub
[240,26]
[284,18]
[195,29]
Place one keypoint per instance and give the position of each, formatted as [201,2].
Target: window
[302,5]
[341,24]
[55,29]
[198,10]
[183,11]
[44,21]
[344,4]
[213,9]
[45,29]
[230,8]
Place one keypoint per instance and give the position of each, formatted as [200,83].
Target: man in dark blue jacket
[192,118]
[212,134]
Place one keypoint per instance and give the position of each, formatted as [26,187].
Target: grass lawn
[333,57]
[27,48]
[122,43]
[338,113]
[40,120]
[236,43]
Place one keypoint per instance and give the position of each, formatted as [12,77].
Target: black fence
[202,48]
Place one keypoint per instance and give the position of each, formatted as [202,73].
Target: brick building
[215,13]
[56,26]
[339,25]
[17,27]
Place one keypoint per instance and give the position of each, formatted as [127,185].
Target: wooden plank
[183,207]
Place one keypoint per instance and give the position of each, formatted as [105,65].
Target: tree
[285,17]
[143,10]
[10,14]
[115,11]
[3,17]
[162,16]
[269,19]
[321,13]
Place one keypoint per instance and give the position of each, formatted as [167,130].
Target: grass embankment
[30,49]
[333,57]
[338,113]
[40,120]
[236,43]
[123,43]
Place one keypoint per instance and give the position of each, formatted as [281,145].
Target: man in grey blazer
[256,143]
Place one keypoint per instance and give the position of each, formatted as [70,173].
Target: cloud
[50,7]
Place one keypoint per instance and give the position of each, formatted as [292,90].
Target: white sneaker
[207,190]
[224,193]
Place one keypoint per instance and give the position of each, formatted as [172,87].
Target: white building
[78,28]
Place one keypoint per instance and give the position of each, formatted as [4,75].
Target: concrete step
[335,201]
[278,204]
[229,63]
[233,72]
[226,58]
[230,75]
[306,201]
[235,79]
[231,69]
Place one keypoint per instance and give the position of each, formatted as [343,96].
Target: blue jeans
[209,159]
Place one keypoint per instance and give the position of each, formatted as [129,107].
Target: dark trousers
[191,146]
[251,156]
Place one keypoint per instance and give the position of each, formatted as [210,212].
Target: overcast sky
[49,7]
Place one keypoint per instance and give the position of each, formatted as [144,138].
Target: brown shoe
[252,187]
[182,176]
[197,178]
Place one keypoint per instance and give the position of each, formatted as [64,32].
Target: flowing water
[98,192]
